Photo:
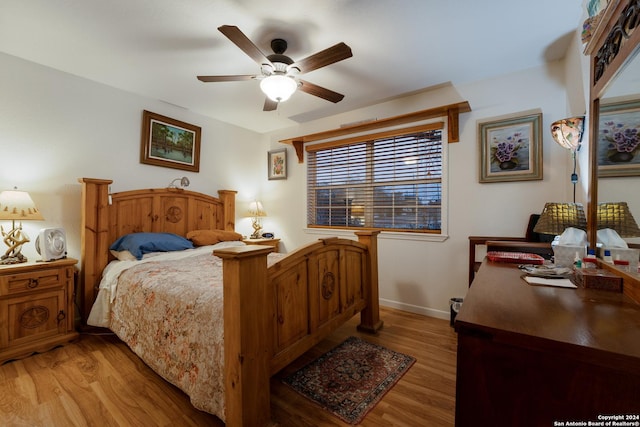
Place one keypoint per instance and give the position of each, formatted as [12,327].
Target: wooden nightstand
[268,242]
[36,307]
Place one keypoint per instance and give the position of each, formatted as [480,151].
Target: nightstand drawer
[48,278]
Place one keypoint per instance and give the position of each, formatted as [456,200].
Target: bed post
[228,198]
[247,335]
[370,317]
[94,237]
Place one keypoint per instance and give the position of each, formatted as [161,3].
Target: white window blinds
[391,182]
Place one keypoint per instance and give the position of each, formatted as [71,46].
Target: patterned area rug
[350,380]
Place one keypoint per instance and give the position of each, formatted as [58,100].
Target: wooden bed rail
[273,315]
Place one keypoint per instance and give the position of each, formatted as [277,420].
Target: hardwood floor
[98,381]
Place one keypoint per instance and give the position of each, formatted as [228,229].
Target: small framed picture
[511,148]
[169,143]
[619,139]
[277,164]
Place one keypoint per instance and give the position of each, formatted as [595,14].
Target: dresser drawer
[46,278]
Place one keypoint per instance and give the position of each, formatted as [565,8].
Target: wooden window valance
[451,111]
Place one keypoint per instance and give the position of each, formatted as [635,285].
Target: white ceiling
[157,47]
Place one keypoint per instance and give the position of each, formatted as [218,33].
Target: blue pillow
[142,243]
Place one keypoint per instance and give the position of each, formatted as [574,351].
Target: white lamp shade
[256,209]
[18,206]
[278,87]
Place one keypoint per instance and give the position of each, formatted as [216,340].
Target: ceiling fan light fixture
[278,87]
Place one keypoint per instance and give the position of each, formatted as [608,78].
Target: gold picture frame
[511,148]
[169,143]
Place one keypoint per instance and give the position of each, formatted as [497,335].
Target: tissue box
[627,254]
[565,255]
[595,278]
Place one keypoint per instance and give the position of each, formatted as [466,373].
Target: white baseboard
[416,309]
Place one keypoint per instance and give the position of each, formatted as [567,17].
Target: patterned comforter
[170,313]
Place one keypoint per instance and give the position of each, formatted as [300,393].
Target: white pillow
[123,255]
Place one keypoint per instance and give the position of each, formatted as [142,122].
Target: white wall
[418,275]
[55,128]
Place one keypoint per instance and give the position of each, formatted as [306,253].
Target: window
[391,180]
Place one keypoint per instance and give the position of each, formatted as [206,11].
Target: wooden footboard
[275,314]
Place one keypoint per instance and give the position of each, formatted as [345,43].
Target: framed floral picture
[169,143]
[277,164]
[511,148]
[619,139]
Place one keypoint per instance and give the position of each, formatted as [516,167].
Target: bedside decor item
[511,148]
[16,206]
[184,182]
[170,143]
[349,380]
[277,164]
[257,212]
[556,217]
[51,244]
[619,139]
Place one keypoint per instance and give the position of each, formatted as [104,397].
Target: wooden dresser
[532,355]
[36,307]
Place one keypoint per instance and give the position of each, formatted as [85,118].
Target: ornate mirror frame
[614,42]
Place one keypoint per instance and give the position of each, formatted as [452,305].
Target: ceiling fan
[279,73]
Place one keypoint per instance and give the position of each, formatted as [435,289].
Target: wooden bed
[310,292]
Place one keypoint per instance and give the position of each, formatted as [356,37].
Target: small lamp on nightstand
[256,211]
[16,205]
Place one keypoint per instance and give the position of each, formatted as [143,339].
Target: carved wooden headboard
[105,217]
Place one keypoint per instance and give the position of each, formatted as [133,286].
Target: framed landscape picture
[619,139]
[170,143]
[511,148]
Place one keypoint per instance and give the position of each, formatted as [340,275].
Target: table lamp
[556,217]
[257,212]
[617,216]
[16,206]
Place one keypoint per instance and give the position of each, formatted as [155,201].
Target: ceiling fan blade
[238,78]
[269,104]
[320,92]
[323,58]
[234,34]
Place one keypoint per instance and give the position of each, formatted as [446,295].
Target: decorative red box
[515,257]
[596,278]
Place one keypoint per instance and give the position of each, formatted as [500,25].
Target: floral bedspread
[170,313]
